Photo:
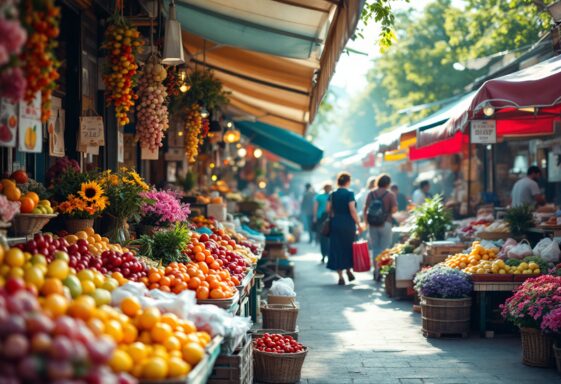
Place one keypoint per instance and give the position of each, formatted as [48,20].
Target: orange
[202,293]
[33,196]
[171,319]
[97,326]
[209,260]
[34,276]
[194,283]
[138,351]
[172,344]
[217,294]
[161,332]
[120,361]
[26,205]
[130,306]
[51,286]
[154,277]
[114,329]
[15,257]
[203,267]
[82,308]
[215,265]
[199,256]
[193,353]
[55,304]
[177,367]
[145,337]
[130,333]
[165,281]
[149,317]
[12,193]
[155,368]
[165,288]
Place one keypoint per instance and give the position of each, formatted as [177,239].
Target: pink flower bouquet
[533,301]
[163,208]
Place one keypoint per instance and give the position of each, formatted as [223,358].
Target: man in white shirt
[422,193]
[526,191]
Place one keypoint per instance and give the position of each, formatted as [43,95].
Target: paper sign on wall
[8,123]
[30,128]
[91,131]
[147,154]
[55,128]
[483,131]
[120,147]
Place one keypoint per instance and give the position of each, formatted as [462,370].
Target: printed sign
[30,128]
[147,154]
[55,128]
[120,147]
[8,123]
[483,131]
[91,131]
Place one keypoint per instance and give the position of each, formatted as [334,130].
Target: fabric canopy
[276,57]
[518,99]
[282,143]
[448,146]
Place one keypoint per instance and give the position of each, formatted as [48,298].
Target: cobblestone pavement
[357,335]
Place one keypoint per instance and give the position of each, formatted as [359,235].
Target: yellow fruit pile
[478,257]
[96,243]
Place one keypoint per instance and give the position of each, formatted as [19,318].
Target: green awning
[282,143]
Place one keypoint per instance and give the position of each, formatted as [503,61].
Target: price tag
[91,131]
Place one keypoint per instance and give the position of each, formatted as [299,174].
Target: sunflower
[91,191]
[136,177]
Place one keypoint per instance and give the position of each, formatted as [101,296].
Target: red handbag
[361,256]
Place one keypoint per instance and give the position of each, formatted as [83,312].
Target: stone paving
[357,335]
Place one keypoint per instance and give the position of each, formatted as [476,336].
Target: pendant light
[173,44]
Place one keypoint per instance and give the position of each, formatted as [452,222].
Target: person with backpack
[380,205]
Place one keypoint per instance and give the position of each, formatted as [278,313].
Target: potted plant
[80,209]
[165,245]
[445,300]
[161,209]
[551,325]
[531,302]
[519,220]
[431,220]
[124,190]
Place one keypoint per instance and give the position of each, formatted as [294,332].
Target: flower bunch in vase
[124,189]
[81,208]
[163,208]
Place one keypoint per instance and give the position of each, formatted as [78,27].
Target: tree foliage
[419,67]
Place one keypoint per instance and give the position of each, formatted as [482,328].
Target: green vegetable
[520,219]
[165,245]
[431,220]
[544,265]
[513,262]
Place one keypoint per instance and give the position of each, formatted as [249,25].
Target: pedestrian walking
[344,222]
[380,204]
[307,210]
[320,216]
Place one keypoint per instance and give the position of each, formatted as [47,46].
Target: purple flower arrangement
[163,208]
[443,282]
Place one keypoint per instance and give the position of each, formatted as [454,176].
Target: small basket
[493,235]
[537,350]
[25,224]
[278,367]
[77,225]
[279,316]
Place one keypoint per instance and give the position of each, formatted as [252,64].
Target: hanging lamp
[173,44]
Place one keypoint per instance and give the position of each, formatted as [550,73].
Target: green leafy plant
[431,220]
[166,245]
[519,219]
[70,182]
[205,90]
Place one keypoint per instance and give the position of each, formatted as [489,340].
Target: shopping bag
[326,227]
[361,256]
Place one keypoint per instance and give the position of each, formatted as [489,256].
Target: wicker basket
[537,349]
[277,367]
[445,316]
[279,316]
[493,235]
[260,332]
[77,225]
[557,355]
[25,224]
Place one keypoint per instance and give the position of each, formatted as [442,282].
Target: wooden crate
[236,368]
[436,253]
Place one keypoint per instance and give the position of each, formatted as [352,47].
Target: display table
[482,289]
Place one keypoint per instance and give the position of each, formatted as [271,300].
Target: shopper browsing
[526,191]
[422,193]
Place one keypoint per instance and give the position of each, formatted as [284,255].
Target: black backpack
[376,215]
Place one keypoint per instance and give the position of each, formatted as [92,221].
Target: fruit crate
[236,368]
[437,251]
[202,371]
[246,284]
[492,277]
[227,304]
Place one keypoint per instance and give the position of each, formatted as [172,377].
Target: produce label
[147,154]
[483,131]
[91,131]
[55,128]
[30,129]
[8,123]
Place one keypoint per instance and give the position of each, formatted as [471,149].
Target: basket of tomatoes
[278,359]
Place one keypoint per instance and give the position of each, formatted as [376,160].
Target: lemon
[121,361]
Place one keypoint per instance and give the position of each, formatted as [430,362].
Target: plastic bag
[544,243]
[283,287]
[551,252]
[509,243]
[520,251]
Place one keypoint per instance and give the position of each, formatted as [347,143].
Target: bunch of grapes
[193,127]
[152,111]
[123,43]
[42,20]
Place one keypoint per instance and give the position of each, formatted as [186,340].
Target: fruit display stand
[245,290]
[236,368]
[437,251]
[203,370]
[231,304]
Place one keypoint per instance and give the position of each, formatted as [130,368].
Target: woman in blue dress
[344,224]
